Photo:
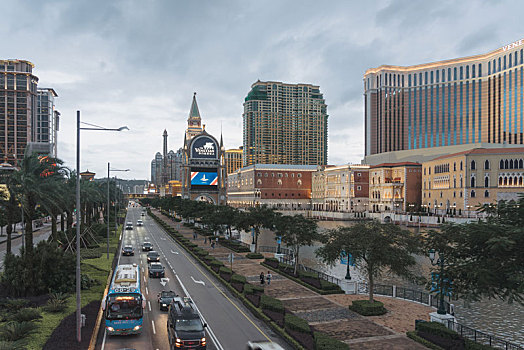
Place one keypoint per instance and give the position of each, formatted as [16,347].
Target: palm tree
[38,182]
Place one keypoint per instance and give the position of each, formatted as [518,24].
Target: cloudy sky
[138,62]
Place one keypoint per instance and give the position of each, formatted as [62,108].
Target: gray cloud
[137,63]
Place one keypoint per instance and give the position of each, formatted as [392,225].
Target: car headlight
[137,328]
[110,329]
[203,341]
[164,304]
[178,340]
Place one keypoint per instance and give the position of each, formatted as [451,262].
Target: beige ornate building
[459,182]
[341,188]
[233,159]
[394,187]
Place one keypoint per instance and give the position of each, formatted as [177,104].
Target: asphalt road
[230,325]
[16,243]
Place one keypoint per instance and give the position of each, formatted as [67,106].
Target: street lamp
[78,276]
[108,170]
[440,262]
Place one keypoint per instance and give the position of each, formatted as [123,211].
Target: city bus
[124,303]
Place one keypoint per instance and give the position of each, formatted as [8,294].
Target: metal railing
[321,275]
[481,337]
[268,249]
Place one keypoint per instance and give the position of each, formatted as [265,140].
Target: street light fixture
[108,170]
[440,262]
[92,127]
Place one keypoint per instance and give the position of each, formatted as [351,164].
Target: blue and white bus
[123,306]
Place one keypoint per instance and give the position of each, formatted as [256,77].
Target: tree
[374,248]
[256,218]
[485,259]
[297,231]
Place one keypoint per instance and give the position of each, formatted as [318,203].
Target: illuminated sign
[204,178]
[204,147]
[513,45]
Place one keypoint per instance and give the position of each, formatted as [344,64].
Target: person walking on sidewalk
[268,277]
[262,278]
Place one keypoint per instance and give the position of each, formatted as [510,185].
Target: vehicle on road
[156,270]
[139,223]
[147,246]
[143,214]
[165,298]
[263,345]
[129,225]
[124,303]
[128,250]
[153,256]
[184,325]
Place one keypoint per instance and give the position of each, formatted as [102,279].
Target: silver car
[263,345]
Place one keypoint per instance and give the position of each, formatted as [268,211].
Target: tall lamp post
[439,262]
[108,172]
[78,276]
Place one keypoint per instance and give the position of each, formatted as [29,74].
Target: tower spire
[194,126]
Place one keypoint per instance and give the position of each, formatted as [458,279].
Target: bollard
[83,320]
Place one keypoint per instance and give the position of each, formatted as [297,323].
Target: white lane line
[142,270]
[149,304]
[145,279]
[200,282]
[147,291]
[154,329]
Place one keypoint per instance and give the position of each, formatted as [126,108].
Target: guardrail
[268,249]
[481,337]
[321,275]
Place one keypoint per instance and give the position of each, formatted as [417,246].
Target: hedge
[297,324]
[365,308]
[273,262]
[254,256]
[413,335]
[325,342]
[270,303]
[437,329]
[216,263]
[225,270]
[253,289]
[236,278]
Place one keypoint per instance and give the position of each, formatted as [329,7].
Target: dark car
[146,247]
[165,298]
[128,250]
[153,256]
[156,270]
[129,225]
[185,328]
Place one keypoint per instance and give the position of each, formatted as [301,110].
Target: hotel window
[438,80]
[460,165]
[449,74]
[454,194]
[504,61]
[426,78]
[500,66]
[486,181]
[455,73]
[486,193]
[521,55]
[516,54]
[460,194]
[472,193]
[486,165]
[443,75]
[359,188]
[510,60]
[480,70]
[409,80]
[472,71]
[467,72]
[473,165]
[431,77]
[489,68]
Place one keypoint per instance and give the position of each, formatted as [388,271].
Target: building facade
[284,124]
[343,188]
[458,183]
[451,105]
[281,186]
[18,104]
[233,158]
[395,187]
[47,120]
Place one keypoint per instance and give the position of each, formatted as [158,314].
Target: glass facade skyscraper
[471,100]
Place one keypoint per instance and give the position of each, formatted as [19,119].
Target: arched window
[473,165]
[460,165]
[501,166]
[500,181]
[511,163]
[486,165]
[505,181]
[486,193]
[472,193]
[454,182]
[521,165]
[510,181]
[454,166]
[520,181]
[472,181]
[506,164]
[486,181]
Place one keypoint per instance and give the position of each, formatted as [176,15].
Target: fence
[481,337]
[267,249]
[321,275]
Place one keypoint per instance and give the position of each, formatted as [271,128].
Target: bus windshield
[124,306]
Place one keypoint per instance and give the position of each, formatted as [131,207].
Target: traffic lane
[138,341]
[16,244]
[233,324]
[170,284]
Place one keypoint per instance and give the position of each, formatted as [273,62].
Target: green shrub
[296,323]
[270,303]
[283,266]
[12,305]
[216,263]
[325,342]
[328,285]
[86,282]
[12,345]
[304,274]
[413,335]
[471,345]
[28,314]
[201,252]
[90,253]
[254,256]
[438,329]
[225,270]
[365,308]
[56,303]
[236,278]
[253,289]
[14,331]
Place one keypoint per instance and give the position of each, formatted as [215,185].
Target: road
[229,323]
[16,243]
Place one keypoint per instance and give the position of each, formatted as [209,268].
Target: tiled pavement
[322,314]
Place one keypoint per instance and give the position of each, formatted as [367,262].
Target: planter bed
[277,317]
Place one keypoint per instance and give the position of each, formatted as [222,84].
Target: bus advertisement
[123,306]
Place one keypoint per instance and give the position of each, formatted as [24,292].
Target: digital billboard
[204,178]
[204,147]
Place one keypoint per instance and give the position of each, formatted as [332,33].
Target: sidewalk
[329,314]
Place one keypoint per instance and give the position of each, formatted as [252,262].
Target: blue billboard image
[204,178]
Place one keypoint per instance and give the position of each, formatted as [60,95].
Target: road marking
[145,279]
[142,270]
[164,280]
[174,252]
[201,282]
[147,291]
[154,329]
[149,304]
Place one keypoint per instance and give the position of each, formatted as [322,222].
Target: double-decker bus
[123,306]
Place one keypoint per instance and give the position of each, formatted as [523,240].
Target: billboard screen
[204,178]
[204,147]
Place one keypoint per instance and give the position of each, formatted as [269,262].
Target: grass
[98,269]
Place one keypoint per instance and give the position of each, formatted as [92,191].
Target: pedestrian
[205,239]
[213,244]
[268,277]
[262,278]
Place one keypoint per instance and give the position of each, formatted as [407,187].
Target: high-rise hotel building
[18,104]
[285,124]
[427,110]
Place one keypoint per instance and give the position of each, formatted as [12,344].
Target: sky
[138,62]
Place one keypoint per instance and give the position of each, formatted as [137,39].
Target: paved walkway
[322,313]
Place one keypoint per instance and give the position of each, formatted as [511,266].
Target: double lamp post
[107,210]
[91,127]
